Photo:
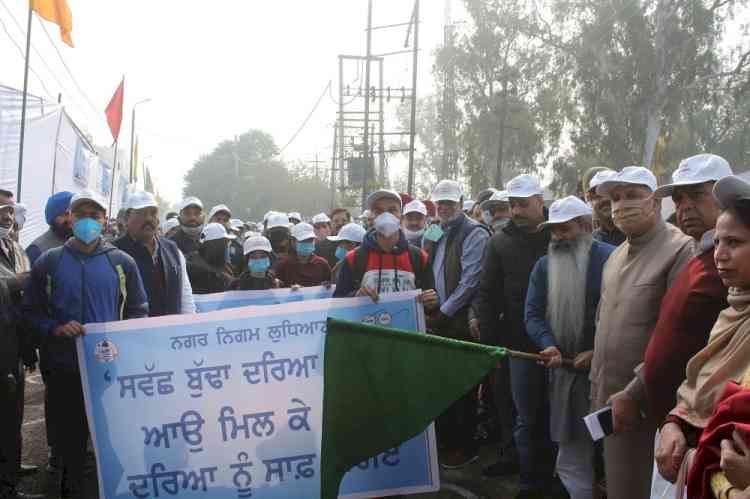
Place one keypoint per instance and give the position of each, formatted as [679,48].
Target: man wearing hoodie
[57,214]
[85,281]
[385,262]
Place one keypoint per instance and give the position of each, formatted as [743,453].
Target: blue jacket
[536,300]
[67,285]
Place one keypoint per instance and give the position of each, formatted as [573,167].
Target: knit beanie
[57,204]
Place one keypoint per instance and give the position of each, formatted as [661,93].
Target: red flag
[114,110]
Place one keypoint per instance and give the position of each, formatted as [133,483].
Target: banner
[226,405]
[234,299]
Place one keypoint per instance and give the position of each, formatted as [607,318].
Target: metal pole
[333,167]
[415,19]
[341,123]
[132,145]
[366,138]
[23,108]
[54,157]
[112,188]
[381,143]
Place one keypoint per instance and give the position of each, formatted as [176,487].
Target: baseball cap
[469,204]
[218,209]
[600,177]
[321,218]
[350,232]
[141,199]
[295,215]
[731,189]
[415,206]
[86,196]
[636,175]
[485,194]
[276,219]
[524,186]
[497,198]
[566,209]
[256,243]
[236,223]
[696,170]
[214,231]
[303,231]
[589,174]
[449,190]
[170,224]
[191,201]
[376,196]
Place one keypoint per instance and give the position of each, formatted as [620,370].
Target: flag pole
[23,105]
[112,188]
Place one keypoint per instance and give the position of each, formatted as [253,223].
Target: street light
[132,137]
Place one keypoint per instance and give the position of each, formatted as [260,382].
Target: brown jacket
[636,277]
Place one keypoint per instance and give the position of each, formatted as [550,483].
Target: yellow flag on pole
[58,12]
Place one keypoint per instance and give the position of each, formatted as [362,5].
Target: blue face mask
[305,249]
[259,265]
[341,252]
[87,230]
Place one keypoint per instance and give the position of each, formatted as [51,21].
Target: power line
[315,107]
[23,57]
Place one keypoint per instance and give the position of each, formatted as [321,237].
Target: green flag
[384,386]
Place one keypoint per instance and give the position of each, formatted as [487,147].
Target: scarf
[724,359]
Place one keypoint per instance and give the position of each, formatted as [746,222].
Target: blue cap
[57,204]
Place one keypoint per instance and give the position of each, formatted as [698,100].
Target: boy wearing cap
[302,267]
[86,280]
[349,238]
[560,316]
[57,215]
[693,302]
[191,224]
[257,275]
[161,264]
[414,222]
[636,278]
[208,267]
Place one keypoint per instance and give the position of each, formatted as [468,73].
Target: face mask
[87,230]
[305,249]
[487,217]
[434,233]
[387,224]
[5,232]
[413,234]
[258,267]
[341,253]
[193,232]
[631,210]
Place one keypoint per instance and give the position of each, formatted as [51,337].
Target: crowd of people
[623,310]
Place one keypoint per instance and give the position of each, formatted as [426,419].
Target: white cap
[256,243]
[469,204]
[268,215]
[141,199]
[170,224]
[448,190]
[218,209]
[350,232]
[295,215]
[731,189]
[191,201]
[696,170]
[600,177]
[380,194]
[303,231]
[86,195]
[236,223]
[497,198]
[524,186]
[214,231]
[20,212]
[276,219]
[636,175]
[415,206]
[566,209]
[321,218]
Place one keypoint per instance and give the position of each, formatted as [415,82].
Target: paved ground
[466,483]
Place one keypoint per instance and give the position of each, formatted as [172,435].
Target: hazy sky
[214,68]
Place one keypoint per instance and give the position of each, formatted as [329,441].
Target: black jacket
[509,258]
[187,244]
[204,278]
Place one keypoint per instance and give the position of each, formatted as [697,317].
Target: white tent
[57,157]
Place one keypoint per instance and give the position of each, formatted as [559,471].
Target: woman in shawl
[725,359]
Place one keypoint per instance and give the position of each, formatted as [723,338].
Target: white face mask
[413,234]
[193,231]
[387,224]
[487,217]
[5,232]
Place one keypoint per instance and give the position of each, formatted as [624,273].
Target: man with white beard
[560,313]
